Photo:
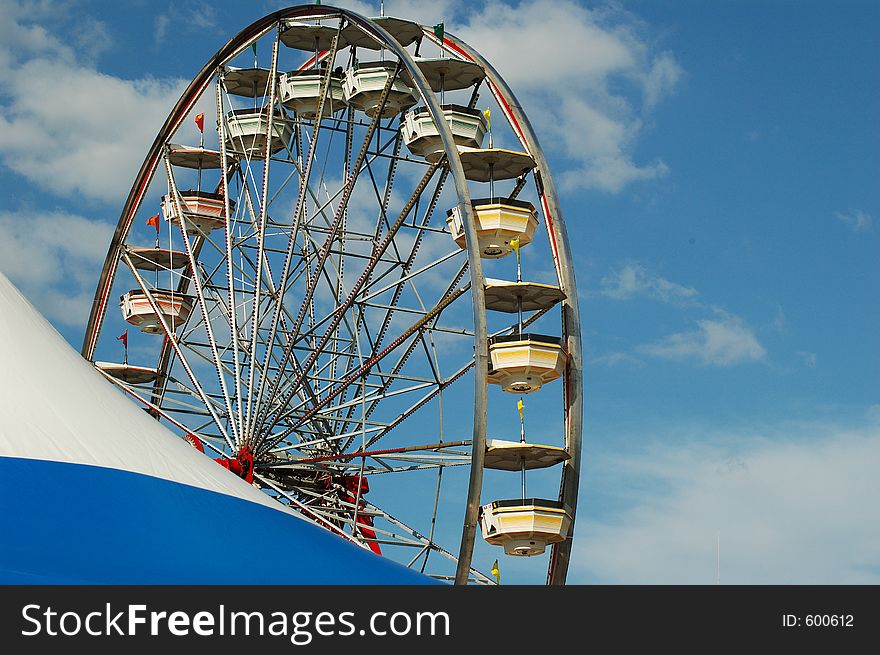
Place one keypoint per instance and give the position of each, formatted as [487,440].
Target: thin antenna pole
[522,440]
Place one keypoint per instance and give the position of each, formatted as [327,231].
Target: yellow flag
[496,572]
[514,243]
[488,115]
[519,406]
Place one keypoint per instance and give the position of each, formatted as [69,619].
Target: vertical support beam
[571,328]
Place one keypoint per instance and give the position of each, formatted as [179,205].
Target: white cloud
[182,19]
[92,38]
[724,341]
[160,28]
[580,74]
[85,132]
[807,358]
[585,103]
[55,259]
[794,505]
[633,281]
[662,77]
[857,221]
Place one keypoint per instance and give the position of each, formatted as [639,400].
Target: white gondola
[247,82]
[448,74]
[405,32]
[202,211]
[193,157]
[511,297]
[300,91]
[137,310]
[310,37]
[493,164]
[422,137]
[515,455]
[523,363]
[247,130]
[128,373]
[524,527]
[157,259]
[499,221]
[363,88]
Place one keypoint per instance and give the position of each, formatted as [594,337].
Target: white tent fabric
[56,407]
[95,491]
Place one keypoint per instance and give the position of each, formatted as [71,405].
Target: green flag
[439,31]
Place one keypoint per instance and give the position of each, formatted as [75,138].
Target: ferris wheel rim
[561,553]
[198,88]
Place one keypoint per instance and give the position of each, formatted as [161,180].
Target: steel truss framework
[334,307]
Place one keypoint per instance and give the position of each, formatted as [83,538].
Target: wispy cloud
[722,341]
[88,144]
[807,358]
[54,258]
[183,19]
[633,280]
[857,220]
[793,504]
[589,98]
[160,28]
[92,38]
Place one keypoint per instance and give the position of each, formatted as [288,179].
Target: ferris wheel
[342,257]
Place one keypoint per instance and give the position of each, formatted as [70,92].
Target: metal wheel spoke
[317,307]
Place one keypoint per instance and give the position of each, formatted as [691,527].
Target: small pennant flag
[124,339]
[439,30]
[154,221]
[200,121]
[488,114]
[514,243]
[519,406]
[254,48]
[496,572]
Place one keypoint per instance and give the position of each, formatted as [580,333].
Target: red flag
[154,221]
[200,121]
[124,339]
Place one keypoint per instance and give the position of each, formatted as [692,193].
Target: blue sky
[718,165]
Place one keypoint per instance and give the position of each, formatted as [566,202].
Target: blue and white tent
[94,491]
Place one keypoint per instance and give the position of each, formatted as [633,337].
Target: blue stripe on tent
[76,524]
